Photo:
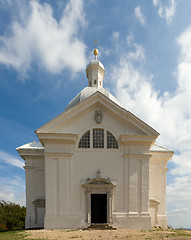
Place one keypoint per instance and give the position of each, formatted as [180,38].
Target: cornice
[30,152]
[61,137]
[137,139]
[165,156]
[68,154]
[144,155]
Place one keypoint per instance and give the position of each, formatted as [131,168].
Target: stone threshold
[100,226]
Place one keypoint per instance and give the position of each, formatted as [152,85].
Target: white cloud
[115,36]
[155,2]
[4,3]
[13,189]
[11,159]
[176,191]
[130,39]
[136,55]
[140,16]
[164,10]
[170,114]
[182,162]
[178,202]
[134,88]
[42,40]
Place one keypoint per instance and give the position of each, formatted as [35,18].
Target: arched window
[98,138]
[85,140]
[111,141]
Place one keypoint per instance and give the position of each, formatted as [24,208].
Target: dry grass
[119,234]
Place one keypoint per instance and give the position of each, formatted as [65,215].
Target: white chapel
[95,163]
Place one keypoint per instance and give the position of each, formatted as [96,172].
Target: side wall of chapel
[35,191]
[157,191]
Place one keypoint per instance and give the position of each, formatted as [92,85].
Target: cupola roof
[87,92]
[95,72]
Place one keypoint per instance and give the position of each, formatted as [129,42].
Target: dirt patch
[119,234]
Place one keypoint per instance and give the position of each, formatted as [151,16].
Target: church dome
[87,92]
[95,72]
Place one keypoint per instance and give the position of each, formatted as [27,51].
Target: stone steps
[100,226]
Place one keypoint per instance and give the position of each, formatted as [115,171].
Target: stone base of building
[30,223]
[162,221]
[65,221]
[132,221]
[75,221]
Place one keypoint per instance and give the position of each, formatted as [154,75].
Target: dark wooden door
[98,208]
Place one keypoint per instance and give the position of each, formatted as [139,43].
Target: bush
[12,216]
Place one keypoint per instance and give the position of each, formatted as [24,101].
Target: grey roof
[37,145]
[157,148]
[32,145]
[87,92]
[95,62]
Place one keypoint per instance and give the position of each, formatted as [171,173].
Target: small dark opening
[98,208]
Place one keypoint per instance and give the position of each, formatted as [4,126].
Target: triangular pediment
[69,120]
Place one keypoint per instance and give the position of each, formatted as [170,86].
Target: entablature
[161,156]
[25,153]
[137,139]
[57,137]
[142,156]
[58,154]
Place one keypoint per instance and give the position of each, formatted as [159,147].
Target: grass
[12,235]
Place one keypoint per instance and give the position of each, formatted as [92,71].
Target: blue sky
[145,47]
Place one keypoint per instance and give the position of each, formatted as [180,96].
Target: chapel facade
[95,163]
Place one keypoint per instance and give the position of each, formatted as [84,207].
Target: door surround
[98,185]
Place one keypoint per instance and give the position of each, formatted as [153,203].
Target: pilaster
[30,214]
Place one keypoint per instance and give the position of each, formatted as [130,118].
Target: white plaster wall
[111,164]
[66,166]
[158,170]
[35,188]
[65,197]
[66,204]
[85,120]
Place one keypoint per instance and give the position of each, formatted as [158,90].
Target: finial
[95,50]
